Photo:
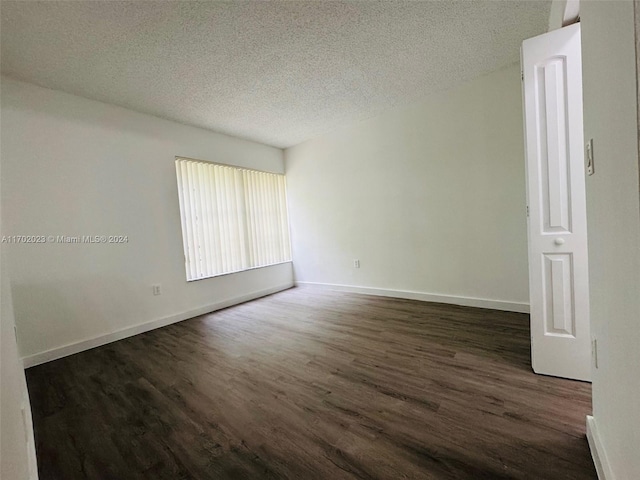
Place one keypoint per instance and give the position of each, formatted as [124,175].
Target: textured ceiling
[276,72]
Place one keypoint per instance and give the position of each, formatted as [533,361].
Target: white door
[558,268]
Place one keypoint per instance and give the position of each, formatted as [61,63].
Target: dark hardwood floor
[309,384]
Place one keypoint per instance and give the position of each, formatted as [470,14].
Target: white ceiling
[277,72]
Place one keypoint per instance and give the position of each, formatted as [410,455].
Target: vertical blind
[233,219]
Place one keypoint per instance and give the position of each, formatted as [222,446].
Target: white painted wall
[430,199]
[72,166]
[17,446]
[613,206]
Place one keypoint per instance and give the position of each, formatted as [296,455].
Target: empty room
[320,239]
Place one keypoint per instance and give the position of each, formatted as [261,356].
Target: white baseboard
[76,347]
[427,297]
[603,469]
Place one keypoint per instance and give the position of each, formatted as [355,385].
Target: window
[233,219]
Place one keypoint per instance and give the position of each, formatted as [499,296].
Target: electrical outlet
[594,351]
[157,290]
[356,264]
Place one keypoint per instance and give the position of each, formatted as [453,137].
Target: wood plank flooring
[309,384]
